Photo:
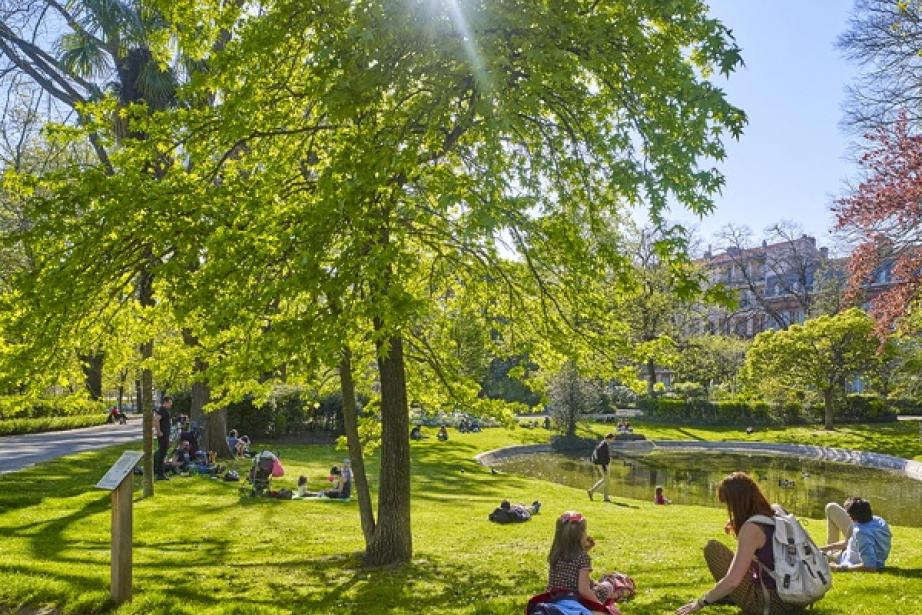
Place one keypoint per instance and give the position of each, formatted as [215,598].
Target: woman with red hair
[740,579]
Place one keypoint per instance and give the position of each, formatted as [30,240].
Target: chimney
[764,243]
[824,253]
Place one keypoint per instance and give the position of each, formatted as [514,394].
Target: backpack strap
[762,519]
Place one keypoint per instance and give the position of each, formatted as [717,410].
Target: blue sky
[793,156]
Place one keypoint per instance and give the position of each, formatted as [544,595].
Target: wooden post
[121,542]
[118,481]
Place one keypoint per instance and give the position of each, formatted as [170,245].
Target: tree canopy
[361,165]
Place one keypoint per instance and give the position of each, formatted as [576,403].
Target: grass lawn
[200,548]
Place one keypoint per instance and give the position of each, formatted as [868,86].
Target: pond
[802,486]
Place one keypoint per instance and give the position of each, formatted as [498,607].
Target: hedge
[856,408]
[21,407]
[10,427]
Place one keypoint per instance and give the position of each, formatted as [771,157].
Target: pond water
[802,486]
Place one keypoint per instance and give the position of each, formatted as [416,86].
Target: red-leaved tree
[884,214]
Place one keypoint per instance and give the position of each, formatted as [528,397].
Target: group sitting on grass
[340,480]
[186,457]
[776,568]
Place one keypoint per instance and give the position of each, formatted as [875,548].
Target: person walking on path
[162,433]
[601,457]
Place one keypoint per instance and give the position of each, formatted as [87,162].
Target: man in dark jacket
[600,459]
[162,424]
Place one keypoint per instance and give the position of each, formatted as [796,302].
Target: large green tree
[818,357]
[360,159]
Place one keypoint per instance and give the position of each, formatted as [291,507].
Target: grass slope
[200,548]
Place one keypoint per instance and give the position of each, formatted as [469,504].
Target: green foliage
[286,411]
[816,358]
[744,412]
[569,397]
[25,407]
[698,411]
[688,390]
[710,360]
[10,427]
[868,408]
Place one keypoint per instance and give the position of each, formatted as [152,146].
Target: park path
[18,452]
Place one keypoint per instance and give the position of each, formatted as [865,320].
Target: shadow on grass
[903,573]
[61,478]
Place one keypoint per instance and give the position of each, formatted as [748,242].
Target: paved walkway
[18,452]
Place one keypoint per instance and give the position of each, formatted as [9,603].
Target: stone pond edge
[878,461]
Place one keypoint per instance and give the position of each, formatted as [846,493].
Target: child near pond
[570,563]
[660,498]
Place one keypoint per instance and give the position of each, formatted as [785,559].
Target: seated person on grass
[443,433]
[341,488]
[416,433]
[232,441]
[243,447]
[180,461]
[866,543]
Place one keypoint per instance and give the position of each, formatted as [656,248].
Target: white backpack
[801,571]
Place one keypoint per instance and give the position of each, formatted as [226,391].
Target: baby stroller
[261,472]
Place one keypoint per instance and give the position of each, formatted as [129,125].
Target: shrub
[742,412]
[287,412]
[688,390]
[728,412]
[10,427]
[863,408]
[909,407]
[21,407]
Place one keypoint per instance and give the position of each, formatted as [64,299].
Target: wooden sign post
[118,481]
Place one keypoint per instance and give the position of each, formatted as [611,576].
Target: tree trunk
[214,424]
[351,426]
[392,541]
[828,403]
[121,388]
[651,377]
[146,299]
[92,372]
[216,433]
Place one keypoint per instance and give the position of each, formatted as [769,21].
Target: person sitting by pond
[341,488]
[416,433]
[750,430]
[866,537]
[474,426]
[659,498]
[462,426]
[739,576]
[443,434]
[232,441]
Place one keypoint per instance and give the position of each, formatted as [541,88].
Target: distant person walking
[162,433]
[601,457]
